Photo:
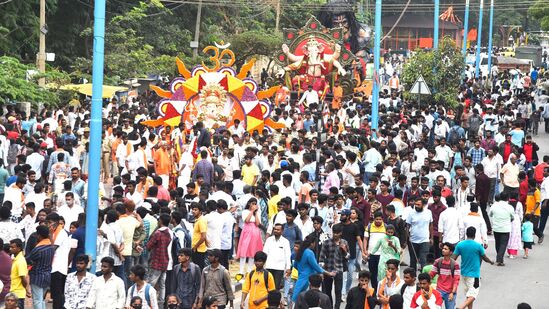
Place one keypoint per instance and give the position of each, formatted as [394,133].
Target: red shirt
[434,300]
[158,246]
[445,281]
[538,171]
[529,151]
[523,191]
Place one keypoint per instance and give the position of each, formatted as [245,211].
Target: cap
[346,212]
[43,145]
[11,118]
[284,163]
[86,129]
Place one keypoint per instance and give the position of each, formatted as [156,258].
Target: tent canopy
[108,91]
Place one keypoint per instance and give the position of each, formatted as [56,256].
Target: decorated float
[215,95]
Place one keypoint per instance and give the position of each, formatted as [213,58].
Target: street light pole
[479,38]
[490,33]
[92,210]
[42,46]
[377,55]
[197,28]
[435,24]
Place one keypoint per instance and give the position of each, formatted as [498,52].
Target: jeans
[448,304]
[418,251]
[350,273]
[501,245]
[278,276]
[288,289]
[38,297]
[437,252]
[198,259]
[327,288]
[492,190]
[373,267]
[57,290]
[128,264]
[158,278]
[483,207]
[367,176]
[226,255]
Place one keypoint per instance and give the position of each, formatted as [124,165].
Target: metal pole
[465,27]
[490,32]
[377,54]
[197,28]
[479,39]
[435,24]
[277,22]
[95,130]
[42,46]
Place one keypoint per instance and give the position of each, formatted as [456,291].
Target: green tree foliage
[253,43]
[14,85]
[441,69]
[540,11]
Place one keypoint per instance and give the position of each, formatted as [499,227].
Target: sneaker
[525,257]
[540,240]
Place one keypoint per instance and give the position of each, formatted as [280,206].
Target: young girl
[527,234]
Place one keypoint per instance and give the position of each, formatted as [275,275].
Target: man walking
[471,253]
[257,284]
[502,215]
[41,258]
[278,253]
[216,282]
[333,255]
[107,291]
[159,246]
[420,229]
[186,280]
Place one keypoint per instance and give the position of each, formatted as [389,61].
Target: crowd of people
[406,209]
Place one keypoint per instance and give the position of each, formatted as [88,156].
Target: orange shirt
[162,162]
[338,94]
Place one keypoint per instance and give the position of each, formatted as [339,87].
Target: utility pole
[42,48]
[435,24]
[377,55]
[479,39]
[277,22]
[465,28]
[197,29]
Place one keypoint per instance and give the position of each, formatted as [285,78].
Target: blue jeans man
[448,304]
[350,273]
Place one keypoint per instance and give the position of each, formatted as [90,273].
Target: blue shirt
[79,236]
[419,225]
[307,124]
[528,231]
[516,137]
[471,253]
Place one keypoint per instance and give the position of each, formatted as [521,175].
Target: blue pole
[490,36]
[465,28]
[377,54]
[435,24]
[479,38]
[95,130]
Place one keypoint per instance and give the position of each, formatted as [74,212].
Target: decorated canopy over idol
[313,56]
[215,95]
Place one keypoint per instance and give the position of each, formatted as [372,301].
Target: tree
[252,43]
[441,69]
[14,85]
[540,11]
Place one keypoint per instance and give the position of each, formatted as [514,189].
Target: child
[427,268]
[73,227]
[527,234]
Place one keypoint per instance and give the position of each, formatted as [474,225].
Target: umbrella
[108,91]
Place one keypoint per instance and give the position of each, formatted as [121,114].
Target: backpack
[403,288]
[147,293]
[13,152]
[265,277]
[176,246]
[188,238]
[453,136]
[452,266]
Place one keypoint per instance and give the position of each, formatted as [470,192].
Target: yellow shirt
[257,289]
[128,225]
[18,270]
[531,200]
[249,173]
[200,226]
[273,205]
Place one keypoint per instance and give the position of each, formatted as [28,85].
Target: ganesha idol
[313,66]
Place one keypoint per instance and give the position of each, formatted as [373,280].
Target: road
[519,280]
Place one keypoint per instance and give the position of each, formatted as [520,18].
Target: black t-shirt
[350,232]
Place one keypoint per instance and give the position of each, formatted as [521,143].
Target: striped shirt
[41,258]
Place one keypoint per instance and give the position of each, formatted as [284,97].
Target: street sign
[420,87]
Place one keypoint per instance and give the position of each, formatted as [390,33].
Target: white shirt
[215,226]
[70,214]
[450,224]
[278,253]
[407,296]
[544,189]
[37,199]
[36,161]
[61,258]
[108,294]
[141,293]
[307,227]
[478,223]
[492,166]
[309,97]
[226,230]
